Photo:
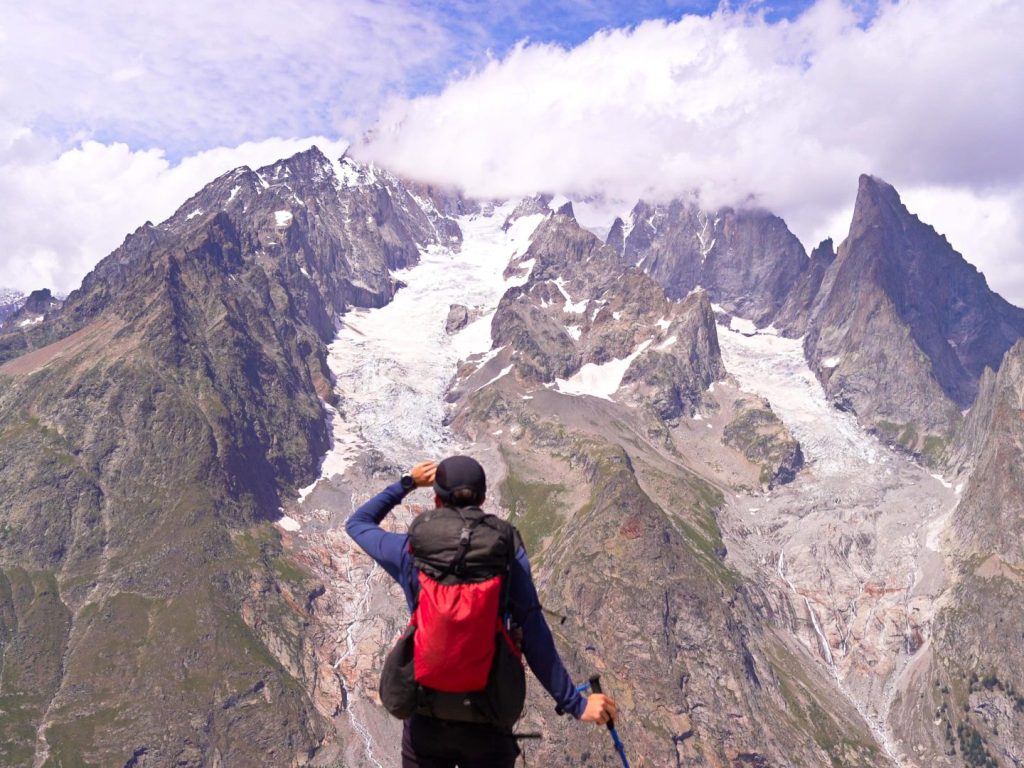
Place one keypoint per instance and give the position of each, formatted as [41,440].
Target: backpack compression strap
[457,565]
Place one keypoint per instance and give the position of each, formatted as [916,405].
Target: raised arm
[388,549]
[364,528]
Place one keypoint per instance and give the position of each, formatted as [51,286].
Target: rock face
[967,700]
[899,293]
[747,260]
[581,307]
[149,429]
[40,302]
[990,519]
[795,315]
[458,317]
[759,435]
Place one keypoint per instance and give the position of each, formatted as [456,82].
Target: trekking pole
[595,686]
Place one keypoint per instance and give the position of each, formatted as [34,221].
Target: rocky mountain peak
[581,306]
[824,253]
[565,209]
[40,301]
[748,260]
[617,235]
[898,275]
[528,206]
[875,198]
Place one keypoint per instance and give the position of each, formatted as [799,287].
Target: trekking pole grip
[595,686]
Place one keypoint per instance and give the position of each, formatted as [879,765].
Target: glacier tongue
[857,532]
[394,364]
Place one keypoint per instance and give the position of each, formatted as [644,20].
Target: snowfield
[599,380]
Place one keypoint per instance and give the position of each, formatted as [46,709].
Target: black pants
[430,743]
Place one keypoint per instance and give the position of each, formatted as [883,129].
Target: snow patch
[667,343]
[234,191]
[831,362]
[570,307]
[520,233]
[941,479]
[196,212]
[599,380]
[283,218]
[304,492]
[742,326]
[575,331]
[504,372]
[663,324]
[30,321]
[289,523]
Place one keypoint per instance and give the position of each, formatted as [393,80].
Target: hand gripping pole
[595,686]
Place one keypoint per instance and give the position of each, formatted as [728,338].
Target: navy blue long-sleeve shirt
[391,551]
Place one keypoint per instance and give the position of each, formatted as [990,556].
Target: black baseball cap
[457,473]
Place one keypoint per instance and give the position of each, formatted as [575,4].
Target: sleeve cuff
[579,706]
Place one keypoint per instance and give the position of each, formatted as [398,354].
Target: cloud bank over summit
[742,110]
[779,104]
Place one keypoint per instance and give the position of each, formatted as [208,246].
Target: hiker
[438,733]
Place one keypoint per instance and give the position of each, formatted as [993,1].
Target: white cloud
[62,215]
[192,74]
[929,95]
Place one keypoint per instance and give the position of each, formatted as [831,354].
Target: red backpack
[456,660]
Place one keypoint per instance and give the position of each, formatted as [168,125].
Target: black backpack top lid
[436,540]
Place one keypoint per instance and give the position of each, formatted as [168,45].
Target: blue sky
[784,103]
